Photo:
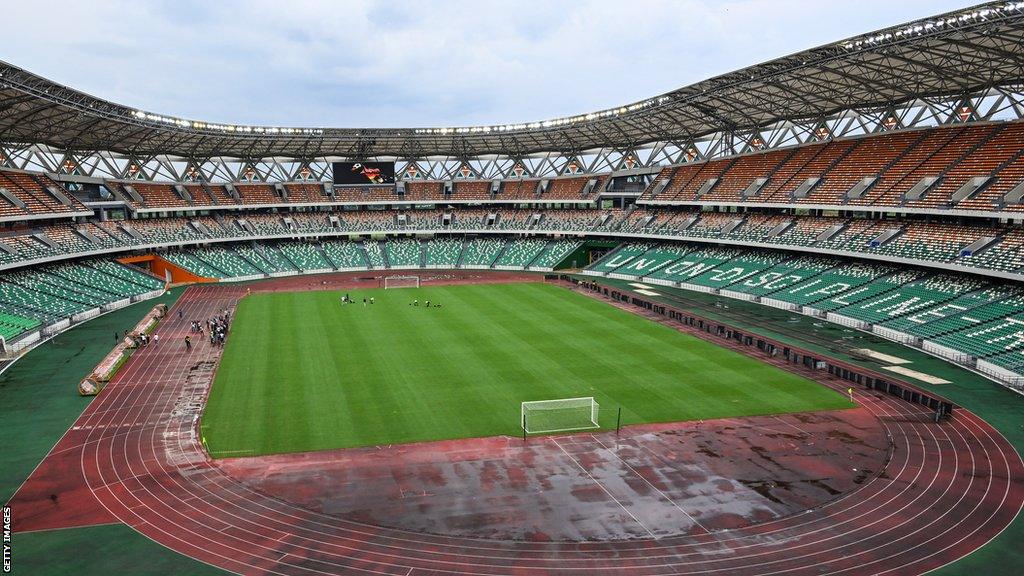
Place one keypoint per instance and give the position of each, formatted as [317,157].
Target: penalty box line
[606,491]
[649,483]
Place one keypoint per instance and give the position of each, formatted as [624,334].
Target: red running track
[947,490]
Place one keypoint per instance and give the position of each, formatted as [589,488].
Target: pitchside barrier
[1008,377]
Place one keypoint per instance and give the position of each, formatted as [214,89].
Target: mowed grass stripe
[301,372]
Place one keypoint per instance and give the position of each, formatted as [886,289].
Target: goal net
[401,282]
[563,415]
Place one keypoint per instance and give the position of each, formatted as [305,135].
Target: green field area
[302,372]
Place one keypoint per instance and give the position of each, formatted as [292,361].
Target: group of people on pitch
[346,300]
[216,327]
[426,303]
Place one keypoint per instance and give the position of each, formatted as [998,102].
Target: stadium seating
[304,255]
[11,325]
[1007,255]
[936,242]
[160,196]
[404,253]
[265,259]
[624,254]
[897,160]
[810,161]
[838,287]
[985,161]
[306,193]
[933,320]
[692,263]
[42,295]
[521,252]
[519,190]
[32,190]
[806,230]
[742,174]
[565,189]
[783,275]
[144,281]
[481,252]
[443,252]
[736,269]
[375,255]
[423,191]
[257,194]
[345,255]
[188,261]
[556,251]
[757,227]
[471,190]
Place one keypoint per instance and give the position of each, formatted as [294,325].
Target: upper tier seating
[160,196]
[31,190]
[565,188]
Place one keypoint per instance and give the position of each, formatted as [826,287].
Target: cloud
[427,63]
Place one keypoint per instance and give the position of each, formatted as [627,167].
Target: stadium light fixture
[545,124]
[197,125]
[919,28]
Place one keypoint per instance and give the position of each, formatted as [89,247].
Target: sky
[426,63]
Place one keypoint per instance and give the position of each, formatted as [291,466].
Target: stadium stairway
[501,252]
[462,253]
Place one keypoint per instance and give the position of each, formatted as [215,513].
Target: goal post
[391,282]
[562,415]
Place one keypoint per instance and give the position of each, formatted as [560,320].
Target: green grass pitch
[301,372]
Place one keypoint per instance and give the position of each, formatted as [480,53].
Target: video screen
[364,173]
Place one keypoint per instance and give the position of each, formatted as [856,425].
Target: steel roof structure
[955,57]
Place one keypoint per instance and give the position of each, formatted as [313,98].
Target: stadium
[771,322]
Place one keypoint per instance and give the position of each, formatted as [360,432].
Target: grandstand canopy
[963,52]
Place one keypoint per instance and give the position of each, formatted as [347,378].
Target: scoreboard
[364,173]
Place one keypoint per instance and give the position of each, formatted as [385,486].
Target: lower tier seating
[979,319]
[42,295]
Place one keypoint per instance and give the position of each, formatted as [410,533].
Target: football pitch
[302,372]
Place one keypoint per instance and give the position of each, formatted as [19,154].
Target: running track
[947,490]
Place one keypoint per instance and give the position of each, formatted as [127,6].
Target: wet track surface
[650,481]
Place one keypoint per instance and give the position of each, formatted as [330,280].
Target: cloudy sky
[415,63]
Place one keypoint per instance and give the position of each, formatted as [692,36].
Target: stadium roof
[961,52]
